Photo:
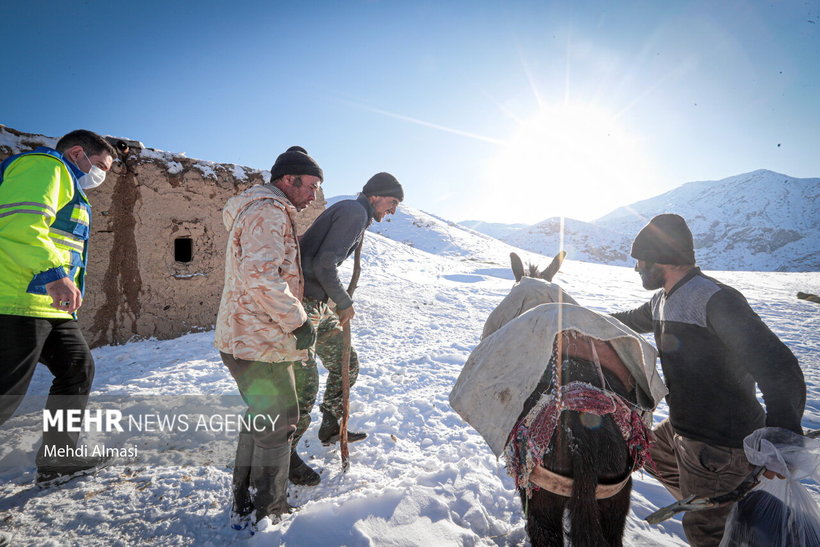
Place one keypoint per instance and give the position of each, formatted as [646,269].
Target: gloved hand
[305,335]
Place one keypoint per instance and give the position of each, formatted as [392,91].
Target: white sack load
[525,295]
[504,369]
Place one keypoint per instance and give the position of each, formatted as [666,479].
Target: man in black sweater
[324,246]
[714,349]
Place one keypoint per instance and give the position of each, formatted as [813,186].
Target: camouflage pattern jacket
[261,300]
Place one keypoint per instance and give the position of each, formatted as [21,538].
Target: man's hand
[305,335]
[65,296]
[345,315]
[772,475]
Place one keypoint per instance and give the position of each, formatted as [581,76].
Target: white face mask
[93,178]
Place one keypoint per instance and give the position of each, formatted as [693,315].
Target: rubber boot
[269,479]
[301,473]
[329,431]
[242,502]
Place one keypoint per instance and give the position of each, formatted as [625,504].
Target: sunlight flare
[571,160]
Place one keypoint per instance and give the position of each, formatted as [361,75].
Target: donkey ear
[517,266]
[554,266]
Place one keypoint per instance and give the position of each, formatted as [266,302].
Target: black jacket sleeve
[755,348]
[639,319]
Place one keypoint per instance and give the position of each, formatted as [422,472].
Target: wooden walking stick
[346,345]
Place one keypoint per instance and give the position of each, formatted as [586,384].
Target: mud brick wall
[157,249]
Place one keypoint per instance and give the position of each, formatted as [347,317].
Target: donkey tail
[584,514]
[597,453]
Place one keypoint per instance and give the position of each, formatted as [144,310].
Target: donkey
[588,465]
[547,273]
[580,432]
[587,460]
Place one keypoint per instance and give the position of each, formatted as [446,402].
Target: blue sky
[500,111]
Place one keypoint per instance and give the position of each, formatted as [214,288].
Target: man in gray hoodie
[324,246]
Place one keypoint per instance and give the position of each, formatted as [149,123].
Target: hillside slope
[759,221]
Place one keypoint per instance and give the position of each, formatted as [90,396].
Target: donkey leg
[545,518]
[613,513]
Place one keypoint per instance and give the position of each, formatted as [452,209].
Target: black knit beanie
[383,184]
[295,161]
[665,240]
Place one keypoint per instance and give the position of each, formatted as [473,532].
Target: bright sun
[573,161]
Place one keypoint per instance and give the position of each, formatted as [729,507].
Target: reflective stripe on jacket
[45,221]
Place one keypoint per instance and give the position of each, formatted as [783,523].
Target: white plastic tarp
[504,369]
[525,295]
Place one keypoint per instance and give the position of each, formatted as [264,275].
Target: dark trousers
[269,390]
[59,345]
[260,478]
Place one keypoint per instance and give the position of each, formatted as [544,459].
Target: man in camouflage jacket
[262,330]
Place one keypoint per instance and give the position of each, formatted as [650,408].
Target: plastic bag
[778,512]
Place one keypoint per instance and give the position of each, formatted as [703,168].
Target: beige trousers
[685,467]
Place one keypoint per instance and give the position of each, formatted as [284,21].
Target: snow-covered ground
[423,476]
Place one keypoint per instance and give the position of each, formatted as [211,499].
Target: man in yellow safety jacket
[45,222]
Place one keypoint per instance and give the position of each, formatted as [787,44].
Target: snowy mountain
[497,230]
[422,477]
[433,234]
[581,240]
[759,221]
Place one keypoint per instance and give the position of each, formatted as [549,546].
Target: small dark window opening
[183,249]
